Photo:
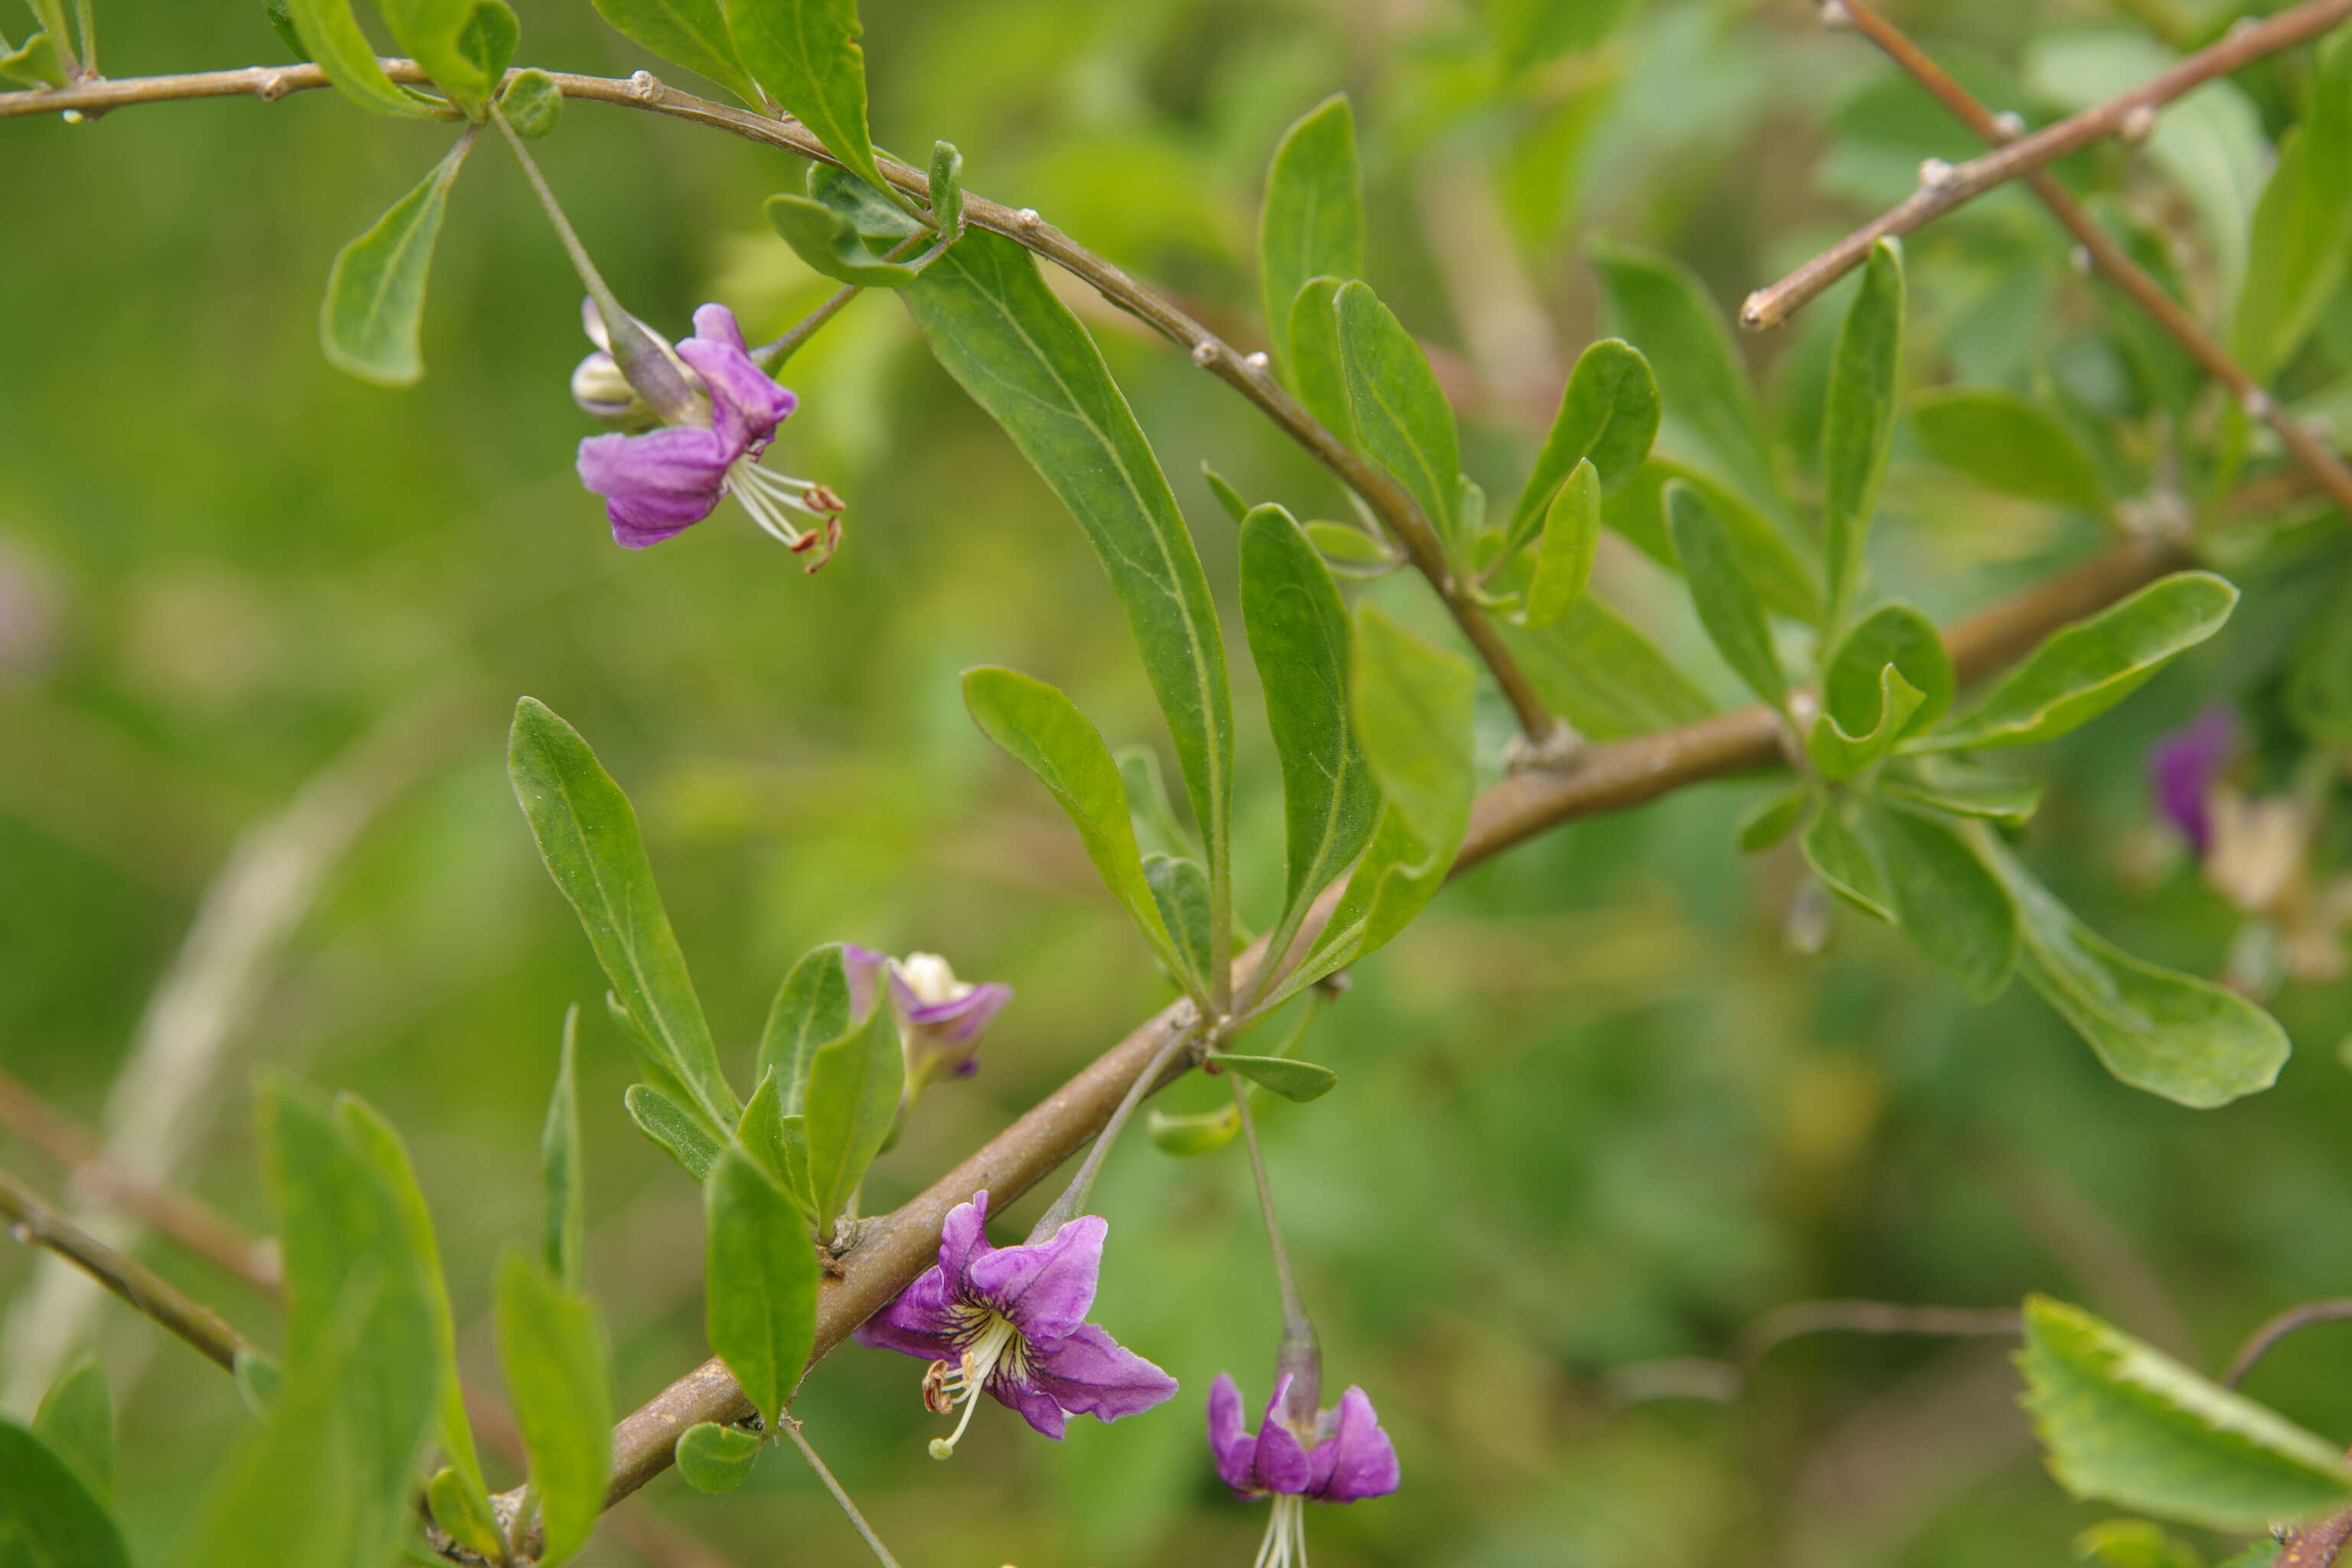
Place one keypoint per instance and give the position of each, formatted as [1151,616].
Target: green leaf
[1838,846]
[2302,232]
[532,104]
[2124,1423]
[687,1137]
[1301,641]
[2135,1543]
[1839,754]
[1413,704]
[760,1277]
[831,247]
[1571,540]
[2167,1032]
[1046,734]
[345,1219]
[587,834]
[1201,1133]
[854,1084]
[1954,910]
[2006,443]
[2319,672]
[1858,420]
[777,1142]
[1608,416]
[370,322]
[1773,818]
[691,33]
[1316,370]
[76,1419]
[1401,413]
[428,32]
[1957,789]
[330,34]
[1148,807]
[36,64]
[714,1458]
[562,1178]
[1893,634]
[1293,1080]
[558,1374]
[806,52]
[1023,357]
[1180,887]
[2087,669]
[1597,671]
[50,1517]
[881,221]
[1783,579]
[489,39]
[259,1380]
[1312,225]
[1727,603]
[1229,499]
[947,188]
[1350,552]
[810,1007]
[460,1508]
[1661,307]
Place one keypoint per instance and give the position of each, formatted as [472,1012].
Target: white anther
[1204,353]
[1027,217]
[645,85]
[1835,16]
[1256,361]
[2079,259]
[1935,173]
[2137,123]
[2008,125]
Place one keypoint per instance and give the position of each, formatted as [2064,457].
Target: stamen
[997,1342]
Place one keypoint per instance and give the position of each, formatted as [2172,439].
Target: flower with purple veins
[665,479]
[940,1017]
[1012,1321]
[1342,1456]
[2184,766]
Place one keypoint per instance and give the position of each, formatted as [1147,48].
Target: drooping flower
[1012,1321]
[665,479]
[2184,766]
[1342,1456]
[940,1017]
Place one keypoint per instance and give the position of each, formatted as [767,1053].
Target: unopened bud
[602,393]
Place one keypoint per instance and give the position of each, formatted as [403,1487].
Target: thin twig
[1246,373]
[2258,1343]
[34,1223]
[2126,113]
[872,1541]
[2317,1544]
[2312,454]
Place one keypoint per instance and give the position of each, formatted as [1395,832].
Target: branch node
[1257,361]
[645,85]
[1835,17]
[2008,125]
[273,86]
[1027,217]
[2137,124]
[1204,353]
[1556,752]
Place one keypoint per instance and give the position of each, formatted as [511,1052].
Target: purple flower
[940,1018]
[2184,766]
[665,480]
[1012,1321]
[1346,1457]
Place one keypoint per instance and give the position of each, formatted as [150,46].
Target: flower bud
[605,395]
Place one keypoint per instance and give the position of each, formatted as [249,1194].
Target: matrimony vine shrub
[362,1449]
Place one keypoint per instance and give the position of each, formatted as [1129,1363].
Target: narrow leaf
[429,32]
[1954,910]
[1637,512]
[854,1084]
[1608,416]
[1604,677]
[49,1517]
[1229,499]
[1893,634]
[778,1143]
[831,247]
[810,1007]
[1318,373]
[2302,232]
[760,1277]
[562,1177]
[1572,542]
[76,1419]
[692,33]
[1957,789]
[947,187]
[1858,420]
[1179,887]
[1312,225]
[1292,1079]
[1771,819]
[1200,1133]
[806,52]
[1411,705]
[1402,416]
[551,1348]
[716,1459]
[1727,603]
[1842,854]
[2007,444]
[462,1510]
[372,321]
[687,1137]
[330,34]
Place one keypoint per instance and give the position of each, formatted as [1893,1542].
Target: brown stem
[2258,1343]
[1245,373]
[2243,45]
[33,1222]
[2317,1544]
[2313,455]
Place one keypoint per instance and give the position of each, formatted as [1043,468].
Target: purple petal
[1282,1465]
[1045,1288]
[745,405]
[1235,1449]
[1036,1406]
[963,1238]
[957,1021]
[919,1322]
[1358,1460]
[655,484]
[1089,1373]
[2183,767]
[861,964]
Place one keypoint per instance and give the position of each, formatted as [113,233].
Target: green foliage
[49,1516]
[1570,543]
[812,1008]
[947,188]
[832,248]
[330,34]
[854,1084]
[433,33]
[2301,236]
[1961,789]
[1840,753]
[1858,422]
[2006,443]
[76,1420]
[370,322]
[759,1278]
[1843,853]
[36,63]
[2319,673]
[1311,223]
[693,32]
[1955,912]
[2135,1543]
[1783,580]
[806,52]
[1773,818]
[1604,676]
[2124,1423]
[1608,416]
[551,1348]
[1179,889]
[587,834]
[716,1459]
[532,104]
[460,1508]
[1893,634]
[563,1173]
[1318,369]
[1201,1133]
[1293,1080]
[1727,603]
[1401,413]
[682,1134]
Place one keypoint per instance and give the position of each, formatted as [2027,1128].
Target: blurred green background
[1594,1114]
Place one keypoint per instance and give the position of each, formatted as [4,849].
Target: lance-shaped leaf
[811,1007]
[2319,672]
[777,1142]
[714,1458]
[1840,753]
[1402,416]
[1608,416]
[2302,235]
[2157,1029]
[1300,638]
[587,834]
[463,1511]
[806,52]
[2007,444]
[947,188]
[76,1419]
[1179,887]
[2082,671]
[1839,847]
[330,34]
[1893,634]
[1148,807]
[1312,225]
[559,1379]
[685,1136]
[1964,790]
[2124,1423]
[1046,734]
[50,1517]
[1771,819]
[1023,357]
[1858,420]
[1596,670]
[759,1281]
[1637,512]
[433,32]
[562,1177]
[1572,542]
[1727,603]
[832,248]
[854,1084]
[1198,1134]
[1955,912]
[693,32]
[1293,1080]
[1660,306]
[1317,371]
[370,322]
